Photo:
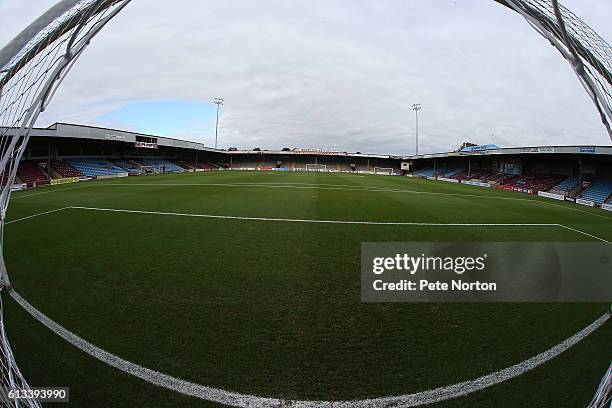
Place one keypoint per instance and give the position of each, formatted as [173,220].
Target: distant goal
[384,170]
[316,167]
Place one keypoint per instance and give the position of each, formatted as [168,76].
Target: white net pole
[589,55]
[31,68]
[383,170]
[603,396]
[316,167]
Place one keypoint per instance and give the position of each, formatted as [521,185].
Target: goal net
[32,66]
[316,167]
[147,169]
[383,170]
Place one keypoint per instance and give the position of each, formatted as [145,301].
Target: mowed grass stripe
[197,300]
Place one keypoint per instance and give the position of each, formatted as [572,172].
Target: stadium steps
[64,169]
[95,167]
[129,165]
[532,183]
[566,186]
[163,165]
[31,174]
[598,192]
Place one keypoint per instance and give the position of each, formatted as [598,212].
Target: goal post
[32,66]
[384,170]
[316,167]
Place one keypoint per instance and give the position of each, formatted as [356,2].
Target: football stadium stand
[568,184]
[179,163]
[190,164]
[450,173]
[31,174]
[4,178]
[532,183]
[499,178]
[598,192]
[95,167]
[204,165]
[245,165]
[129,165]
[64,169]
[424,173]
[163,165]
[186,164]
[53,152]
[472,175]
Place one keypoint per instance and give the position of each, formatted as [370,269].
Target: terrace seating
[451,172]
[567,184]
[64,169]
[424,173]
[532,183]
[499,178]
[186,164]
[95,167]
[129,165]
[31,174]
[598,192]
[163,165]
[199,165]
[205,166]
[473,174]
[245,165]
[4,179]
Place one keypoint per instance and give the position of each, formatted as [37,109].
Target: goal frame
[390,172]
[147,169]
[318,167]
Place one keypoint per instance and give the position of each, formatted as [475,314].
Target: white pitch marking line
[583,233]
[356,188]
[50,191]
[313,221]
[318,186]
[252,401]
[245,400]
[37,215]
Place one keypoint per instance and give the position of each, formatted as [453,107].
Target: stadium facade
[64,153]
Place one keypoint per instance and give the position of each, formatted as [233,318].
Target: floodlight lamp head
[218,101]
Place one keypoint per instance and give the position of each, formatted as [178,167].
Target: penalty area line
[340,222]
[314,221]
[245,400]
[36,215]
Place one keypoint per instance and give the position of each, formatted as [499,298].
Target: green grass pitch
[273,308]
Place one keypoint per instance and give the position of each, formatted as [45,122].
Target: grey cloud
[339,74]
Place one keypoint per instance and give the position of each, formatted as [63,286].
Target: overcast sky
[337,74]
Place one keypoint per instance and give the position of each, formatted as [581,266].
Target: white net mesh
[383,170]
[32,66]
[588,53]
[603,396]
[316,167]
